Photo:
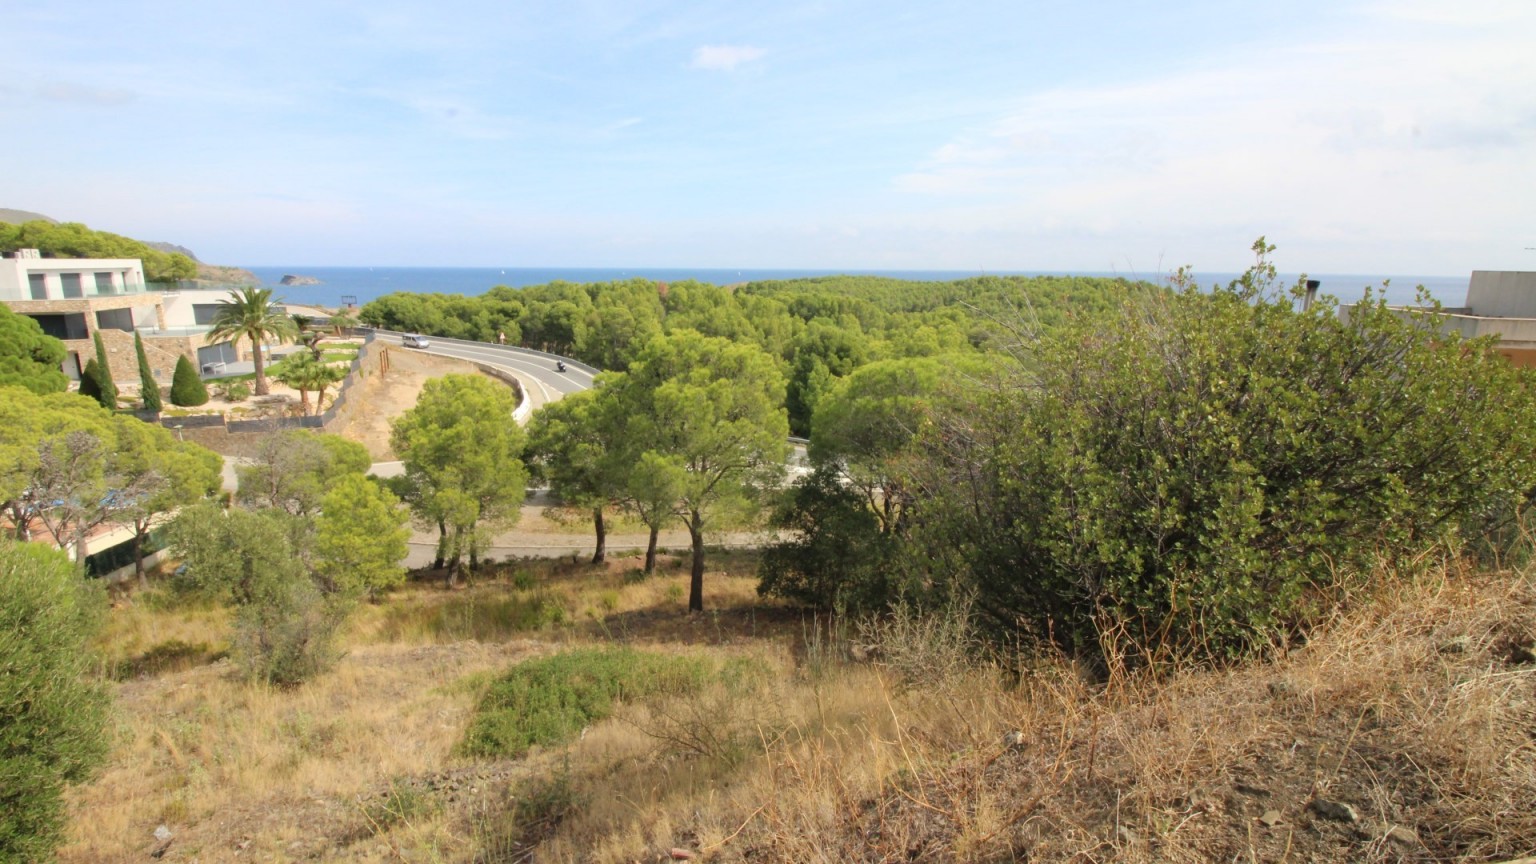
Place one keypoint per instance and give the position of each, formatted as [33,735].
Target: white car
[414,340]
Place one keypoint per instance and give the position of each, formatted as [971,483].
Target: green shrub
[187,388]
[289,636]
[1215,467]
[234,391]
[52,718]
[549,700]
[174,655]
[836,557]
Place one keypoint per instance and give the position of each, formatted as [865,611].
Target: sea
[341,285]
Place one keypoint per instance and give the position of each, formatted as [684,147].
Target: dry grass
[1415,710]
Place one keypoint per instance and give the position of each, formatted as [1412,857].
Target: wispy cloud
[79,94]
[725,58]
[620,125]
[1346,139]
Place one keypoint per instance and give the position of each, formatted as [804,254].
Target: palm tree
[252,313]
[343,320]
[327,376]
[304,373]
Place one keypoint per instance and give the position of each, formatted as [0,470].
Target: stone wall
[161,351]
[344,409]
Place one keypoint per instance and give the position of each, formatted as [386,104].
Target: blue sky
[1385,136]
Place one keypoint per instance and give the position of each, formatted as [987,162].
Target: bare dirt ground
[389,394]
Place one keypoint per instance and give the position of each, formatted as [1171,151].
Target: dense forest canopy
[818,330]
[74,240]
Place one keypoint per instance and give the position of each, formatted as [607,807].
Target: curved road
[534,369]
[543,383]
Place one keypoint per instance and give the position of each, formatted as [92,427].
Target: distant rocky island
[290,279]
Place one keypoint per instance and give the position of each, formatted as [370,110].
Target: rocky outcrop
[226,275]
[171,248]
[16,217]
[290,279]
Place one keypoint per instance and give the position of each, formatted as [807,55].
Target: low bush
[551,699]
[285,626]
[187,389]
[173,655]
[835,557]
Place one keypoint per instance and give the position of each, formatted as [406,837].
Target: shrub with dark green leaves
[234,391]
[187,389]
[835,556]
[549,700]
[52,716]
[1214,468]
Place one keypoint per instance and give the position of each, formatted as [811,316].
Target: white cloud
[1387,135]
[724,58]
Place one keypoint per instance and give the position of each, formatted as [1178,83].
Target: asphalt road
[537,372]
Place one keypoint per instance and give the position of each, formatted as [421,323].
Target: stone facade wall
[161,351]
[89,306]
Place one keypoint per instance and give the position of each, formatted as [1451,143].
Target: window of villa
[72,287]
[104,284]
[39,285]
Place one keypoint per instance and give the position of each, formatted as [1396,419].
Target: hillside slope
[212,273]
[1401,732]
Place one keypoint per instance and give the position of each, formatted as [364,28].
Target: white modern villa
[74,298]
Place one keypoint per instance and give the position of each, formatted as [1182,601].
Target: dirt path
[390,394]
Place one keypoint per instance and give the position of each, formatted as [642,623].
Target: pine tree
[108,395]
[187,389]
[149,388]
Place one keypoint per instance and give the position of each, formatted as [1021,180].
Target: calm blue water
[366,283]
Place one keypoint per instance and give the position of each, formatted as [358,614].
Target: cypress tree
[149,388]
[90,383]
[187,389]
[108,395]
